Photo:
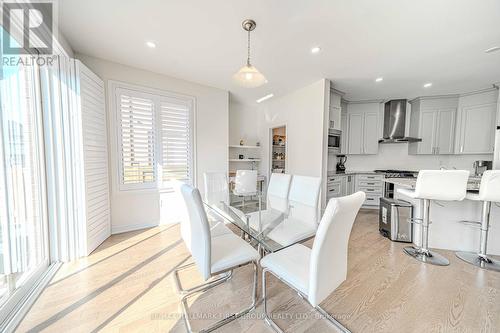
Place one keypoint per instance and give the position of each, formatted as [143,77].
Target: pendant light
[249,76]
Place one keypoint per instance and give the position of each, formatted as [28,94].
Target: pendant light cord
[248,50]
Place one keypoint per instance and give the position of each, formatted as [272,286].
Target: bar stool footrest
[471,223]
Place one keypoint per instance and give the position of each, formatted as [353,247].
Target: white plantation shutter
[137,153]
[176,138]
[155,139]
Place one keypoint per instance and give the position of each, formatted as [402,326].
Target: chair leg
[481,259]
[226,319]
[272,323]
[212,283]
[423,253]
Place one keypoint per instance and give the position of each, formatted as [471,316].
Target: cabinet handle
[370,183]
[462,148]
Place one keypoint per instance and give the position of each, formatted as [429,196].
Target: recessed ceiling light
[379,79]
[262,99]
[315,49]
[492,49]
[151,44]
[428,85]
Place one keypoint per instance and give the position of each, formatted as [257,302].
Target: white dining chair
[305,191]
[216,187]
[315,273]
[245,184]
[214,257]
[301,220]
[276,203]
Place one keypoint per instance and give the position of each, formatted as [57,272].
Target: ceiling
[407,42]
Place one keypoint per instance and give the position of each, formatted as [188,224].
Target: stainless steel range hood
[394,122]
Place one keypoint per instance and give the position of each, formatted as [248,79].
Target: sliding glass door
[24,237]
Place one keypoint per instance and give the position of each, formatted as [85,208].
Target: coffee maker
[341,163]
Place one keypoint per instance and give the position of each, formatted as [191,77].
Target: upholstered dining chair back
[328,265]
[216,188]
[245,182]
[197,231]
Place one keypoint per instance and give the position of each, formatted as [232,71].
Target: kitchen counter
[472,185]
[446,232]
[350,172]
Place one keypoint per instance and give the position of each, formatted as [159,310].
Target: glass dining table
[281,224]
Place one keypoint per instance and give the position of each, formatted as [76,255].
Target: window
[155,139]
[23,223]
[175,141]
[137,139]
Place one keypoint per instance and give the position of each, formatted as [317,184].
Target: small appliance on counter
[341,163]
[393,220]
[481,166]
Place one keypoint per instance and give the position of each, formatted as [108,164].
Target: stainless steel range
[389,188]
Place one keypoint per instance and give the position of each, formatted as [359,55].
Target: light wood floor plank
[126,285]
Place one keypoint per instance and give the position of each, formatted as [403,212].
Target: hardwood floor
[126,285]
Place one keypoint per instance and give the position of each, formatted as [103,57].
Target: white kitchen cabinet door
[445,134]
[335,117]
[345,133]
[370,133]
[427,131]
[355,135]
[477,131]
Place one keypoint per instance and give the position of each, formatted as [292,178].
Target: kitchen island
[446,231]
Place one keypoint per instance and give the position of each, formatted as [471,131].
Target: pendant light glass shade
[249,77]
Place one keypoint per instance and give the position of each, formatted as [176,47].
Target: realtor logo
[35,20]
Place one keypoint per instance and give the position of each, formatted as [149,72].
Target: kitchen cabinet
[340,185]
[436,128]
[477,129]
[335,110]
[373,186]
[363,132]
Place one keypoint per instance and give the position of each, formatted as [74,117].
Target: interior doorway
[278,150]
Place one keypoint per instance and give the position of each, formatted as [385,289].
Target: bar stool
[489,191]
[440,185]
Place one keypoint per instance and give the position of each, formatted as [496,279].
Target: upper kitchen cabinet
[363,128]
[476,123]
[335,109]
[433,121]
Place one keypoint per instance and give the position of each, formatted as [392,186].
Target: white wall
[138,209]
[243,123]
[303,112]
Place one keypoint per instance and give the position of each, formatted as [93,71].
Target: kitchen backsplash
[395,156]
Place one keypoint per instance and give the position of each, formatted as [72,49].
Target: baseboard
[18,313]
[131,227]
[94,243]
